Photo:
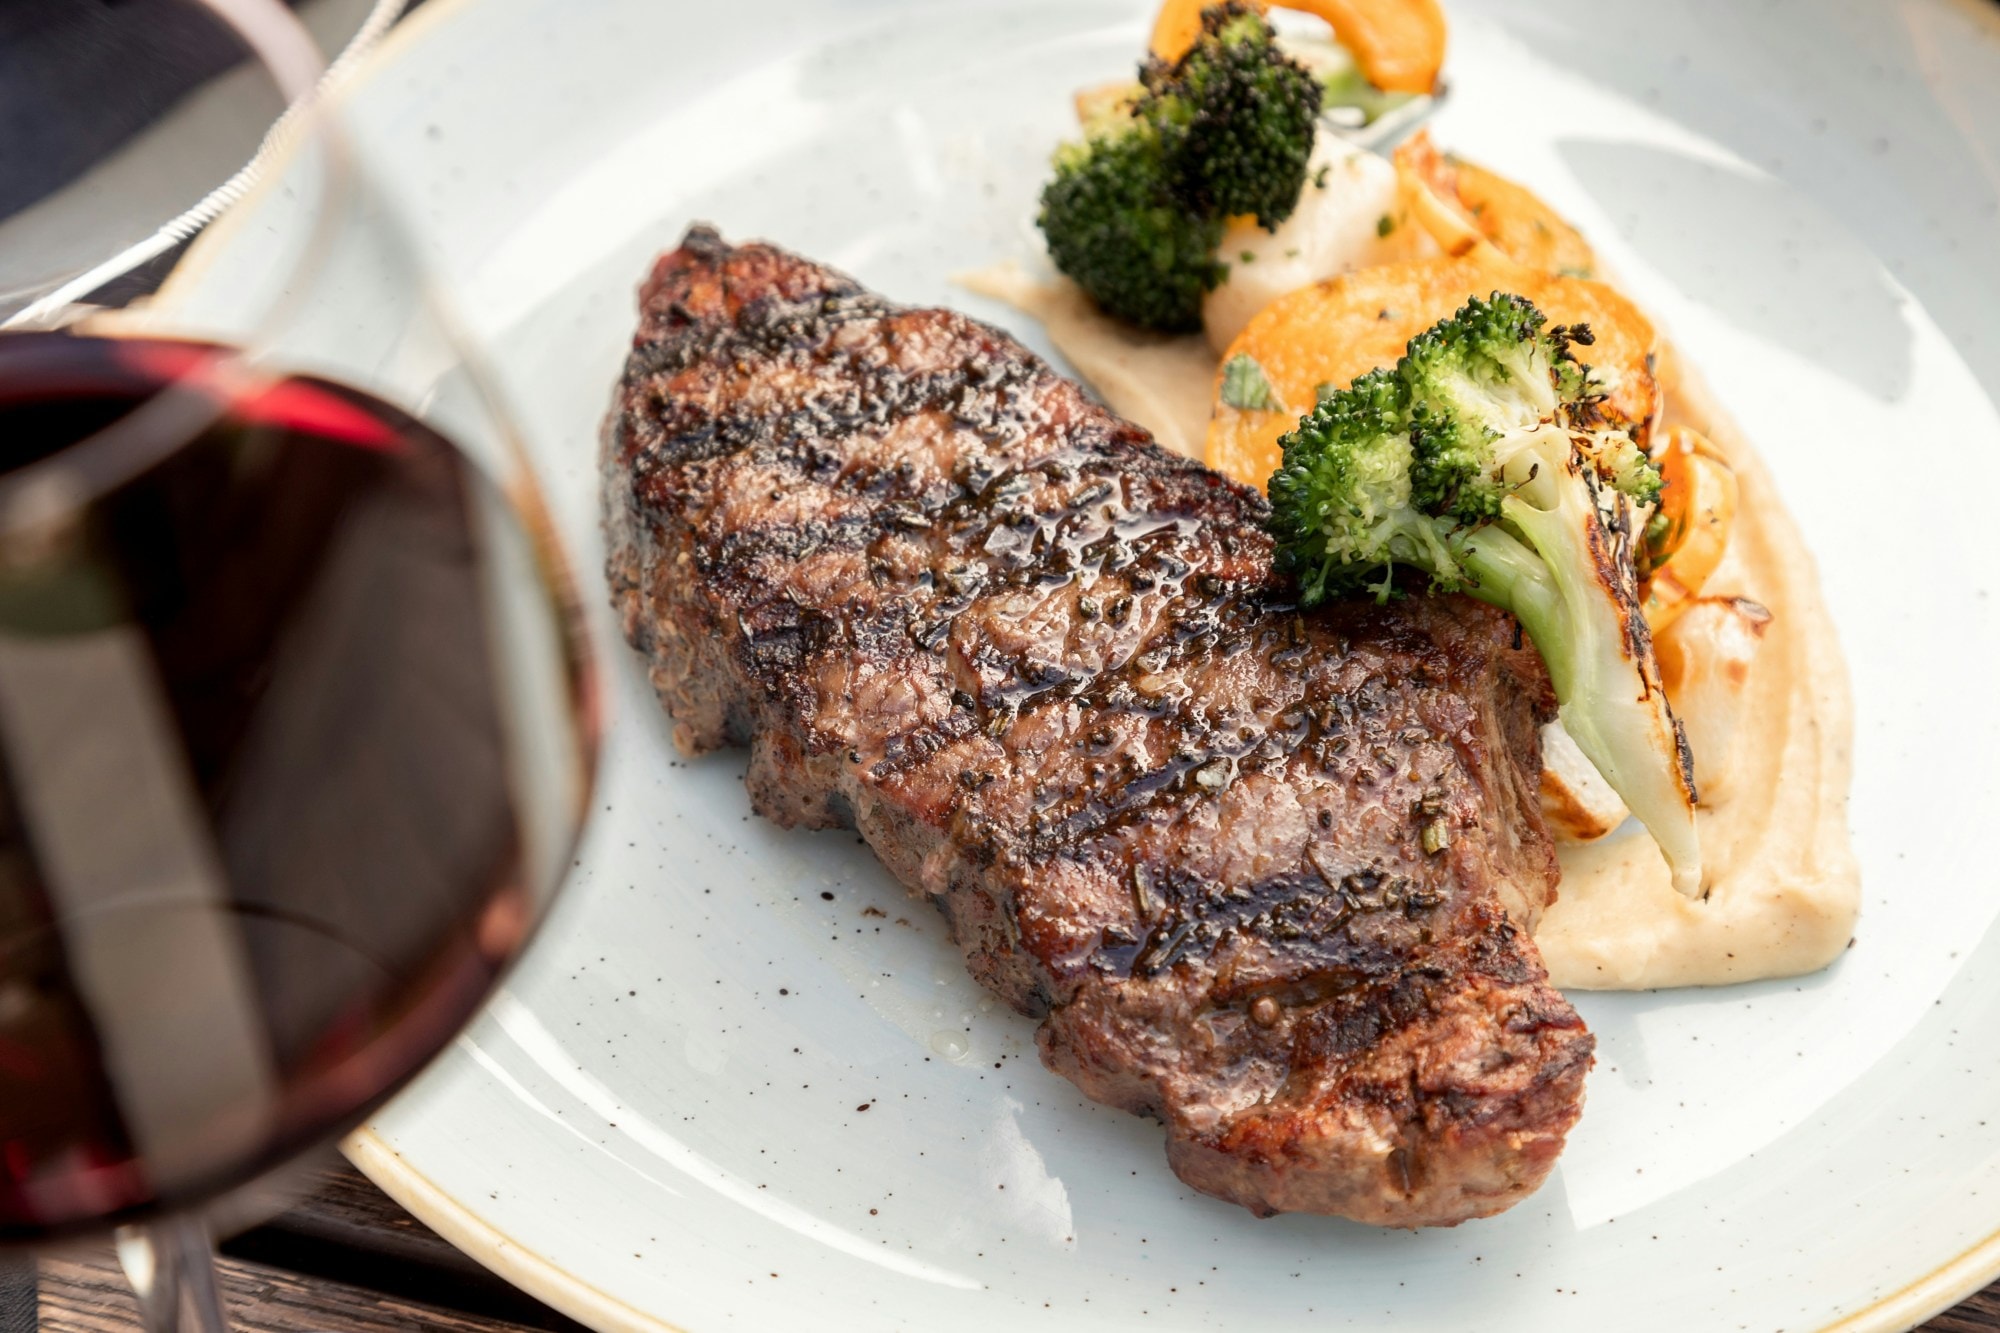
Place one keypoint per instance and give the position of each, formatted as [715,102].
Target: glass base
[171,1266]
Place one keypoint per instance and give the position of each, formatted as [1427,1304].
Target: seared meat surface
[1265,876]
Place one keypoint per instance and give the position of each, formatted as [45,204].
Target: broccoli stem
[1611,700]
[1348,89]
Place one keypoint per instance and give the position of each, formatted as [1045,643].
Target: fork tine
[1391,127]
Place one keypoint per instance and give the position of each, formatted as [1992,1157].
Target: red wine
[264,843]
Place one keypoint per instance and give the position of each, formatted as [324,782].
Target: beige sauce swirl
[1782,885]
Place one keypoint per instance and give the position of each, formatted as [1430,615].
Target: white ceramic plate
[742,1082]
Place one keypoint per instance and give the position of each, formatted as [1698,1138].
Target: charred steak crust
[1264,876]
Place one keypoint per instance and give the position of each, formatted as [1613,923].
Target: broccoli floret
[1136,210]
[1481,461]
[1237,115]
[1341,500]
[1114,226]
[1480,382]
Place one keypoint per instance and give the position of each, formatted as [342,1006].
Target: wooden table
[343,1260]
[347,1260]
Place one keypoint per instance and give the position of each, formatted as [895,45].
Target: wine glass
[297,722]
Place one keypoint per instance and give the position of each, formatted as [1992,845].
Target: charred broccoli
[1135,211]
[1481,461]
[1238,117]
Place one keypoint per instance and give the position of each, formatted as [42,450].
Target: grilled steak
[1262,875]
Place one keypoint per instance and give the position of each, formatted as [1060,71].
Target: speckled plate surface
[743,1082]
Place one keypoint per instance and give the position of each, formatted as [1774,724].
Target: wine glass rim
[278,42]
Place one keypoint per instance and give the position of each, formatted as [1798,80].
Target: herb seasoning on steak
[1265,876]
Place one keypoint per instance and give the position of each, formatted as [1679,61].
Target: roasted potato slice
[1397,44]
[1332,332]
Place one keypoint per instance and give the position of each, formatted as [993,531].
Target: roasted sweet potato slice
[1429,184]
[1468,200]
[1418,157]
[1520,224]
[1398,44]
[1179,23]
[1697,510]
[1332,332]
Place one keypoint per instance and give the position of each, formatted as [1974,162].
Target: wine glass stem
[171,1266]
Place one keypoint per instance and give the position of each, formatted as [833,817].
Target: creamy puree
[1161,381]
[1782,885]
